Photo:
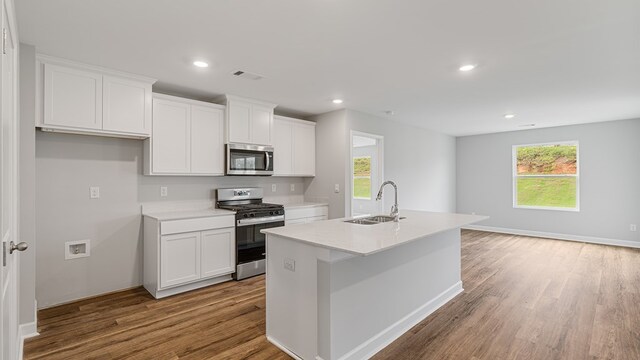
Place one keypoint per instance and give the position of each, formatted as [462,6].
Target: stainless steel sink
[372,220]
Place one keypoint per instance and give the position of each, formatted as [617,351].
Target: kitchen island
[339,290]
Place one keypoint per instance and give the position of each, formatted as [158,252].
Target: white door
[218,255]
[304,149]
[72,97]
[179,259]
[171,137]
[207,140]
[366,173]
[282,147]
[126,106]
[239,125]
[261,125]
[8,185]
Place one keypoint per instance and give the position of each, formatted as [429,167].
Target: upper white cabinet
[249,121]
[78,98]
[187,138]
[294,147]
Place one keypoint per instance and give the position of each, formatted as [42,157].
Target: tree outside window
[362,177]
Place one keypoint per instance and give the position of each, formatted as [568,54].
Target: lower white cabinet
[305,214]
[179,259]
[186,254]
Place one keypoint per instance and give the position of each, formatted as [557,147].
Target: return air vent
[247,75]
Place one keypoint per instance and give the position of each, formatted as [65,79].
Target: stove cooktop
[250,207]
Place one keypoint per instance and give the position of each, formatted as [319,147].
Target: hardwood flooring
[524,298]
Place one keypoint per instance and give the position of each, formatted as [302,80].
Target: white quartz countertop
[306,204]
[188,214]
[369,239]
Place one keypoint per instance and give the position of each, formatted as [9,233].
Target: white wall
[66,166]
[27,271]
[420,161]
[609,180]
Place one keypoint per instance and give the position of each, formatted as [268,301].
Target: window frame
[353,182]
[515,176]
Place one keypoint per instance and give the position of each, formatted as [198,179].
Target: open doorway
[366,172]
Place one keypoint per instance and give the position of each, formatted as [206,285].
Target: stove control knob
[245,215]
[252,215]
[270,212]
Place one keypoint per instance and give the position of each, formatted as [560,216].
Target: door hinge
[4,41]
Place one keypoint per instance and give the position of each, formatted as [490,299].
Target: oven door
[244,159]
[250,242]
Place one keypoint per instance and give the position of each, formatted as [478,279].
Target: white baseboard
[390,334]
[27,330]
[548,235]
[283,348]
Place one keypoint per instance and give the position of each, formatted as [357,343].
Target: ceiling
[551,62]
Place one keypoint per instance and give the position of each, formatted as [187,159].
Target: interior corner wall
[609,166]
[27,170]
[331,147]
[421,162]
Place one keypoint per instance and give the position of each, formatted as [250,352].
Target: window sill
[576,209]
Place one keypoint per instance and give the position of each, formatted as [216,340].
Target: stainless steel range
[252,215]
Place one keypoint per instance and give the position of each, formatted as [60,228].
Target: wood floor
[524,298]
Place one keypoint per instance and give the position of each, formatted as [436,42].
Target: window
[362,177]
[545,176]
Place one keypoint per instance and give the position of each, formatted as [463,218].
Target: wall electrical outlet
[273,187]
[293,187]
[336,188]
[94,192]
[290,264]
[164,191]
[633,227]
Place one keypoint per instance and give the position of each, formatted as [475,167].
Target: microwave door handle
[266,154]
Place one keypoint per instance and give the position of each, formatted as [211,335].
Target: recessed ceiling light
[509,116]
[337,101]
[390,112]
[467,67]
[200,64]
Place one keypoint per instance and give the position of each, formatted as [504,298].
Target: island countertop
[369,239]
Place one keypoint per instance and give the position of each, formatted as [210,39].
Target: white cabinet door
[261,125]
[207,140]
[239,121]
[72,98]
[171,137]
[304,149]
[126,106]
[218,253]
[179,259]
[282,147]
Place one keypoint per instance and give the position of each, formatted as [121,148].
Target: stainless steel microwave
[247,159]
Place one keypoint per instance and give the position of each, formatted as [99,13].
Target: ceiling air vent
[247,75]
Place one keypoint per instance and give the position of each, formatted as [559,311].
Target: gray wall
[27,185]
[66,166]
[331,147]
[609,180]
[420,161]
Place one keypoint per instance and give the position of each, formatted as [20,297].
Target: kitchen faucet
[394,209]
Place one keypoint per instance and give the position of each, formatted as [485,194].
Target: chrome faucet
[394,209]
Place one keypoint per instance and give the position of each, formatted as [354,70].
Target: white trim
[515,176]
[557,236]
[27,330]
[47,59]
[183,100]
[284,348]
[380,147]
[390,334]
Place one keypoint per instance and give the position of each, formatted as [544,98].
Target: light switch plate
[273,187]
[164,191]
[94,192]
[290,264]
[293,187]
[336,188]
[633,227]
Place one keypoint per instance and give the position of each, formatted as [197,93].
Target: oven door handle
[261,220]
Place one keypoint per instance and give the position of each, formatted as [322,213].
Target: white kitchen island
[337,290]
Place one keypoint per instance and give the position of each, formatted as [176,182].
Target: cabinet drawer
[292,214]
[198,224]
